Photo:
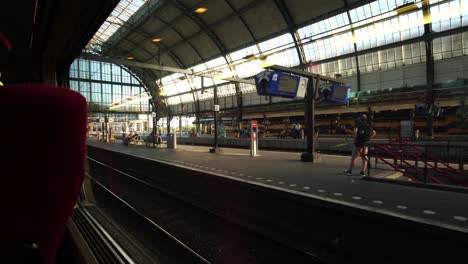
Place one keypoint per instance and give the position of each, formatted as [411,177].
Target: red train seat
[43,153]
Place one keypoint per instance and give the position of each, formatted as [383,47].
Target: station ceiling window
[108,86]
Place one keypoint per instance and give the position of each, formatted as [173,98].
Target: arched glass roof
[121,13]
[371,25]
[330,44]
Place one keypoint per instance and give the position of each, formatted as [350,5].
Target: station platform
[284,171]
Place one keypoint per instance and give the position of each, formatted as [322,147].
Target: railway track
[190,234]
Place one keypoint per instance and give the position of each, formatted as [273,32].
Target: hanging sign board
[274,83]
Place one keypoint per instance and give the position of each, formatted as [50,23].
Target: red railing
[425,162]
[390,152]
[432,157]
[396,168]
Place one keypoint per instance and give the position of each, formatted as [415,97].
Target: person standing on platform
[362,134]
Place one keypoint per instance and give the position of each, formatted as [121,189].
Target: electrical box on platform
[274,83]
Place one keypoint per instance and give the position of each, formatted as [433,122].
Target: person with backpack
[362,133]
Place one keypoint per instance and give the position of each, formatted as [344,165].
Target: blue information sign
[274,83]
[334,92]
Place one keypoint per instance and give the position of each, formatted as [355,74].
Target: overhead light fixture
[156,39]
[201,10]
[130,58]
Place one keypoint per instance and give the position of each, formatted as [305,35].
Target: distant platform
[334,144]
[323,180]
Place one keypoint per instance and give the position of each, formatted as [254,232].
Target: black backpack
[364,132]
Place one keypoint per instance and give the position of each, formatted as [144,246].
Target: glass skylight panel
[173,100]
[330,47]
[95,70]
[205,95]
[218,62]
[278,42]
[343,43]
[125,77]
[187,97]
[173,84]
[248,69]
[183,86]
[74,86]
[325,27]
[374,11]
[196,81]
[287,58]
[245,64]
[464,12]
[74,69]
[389,31]
[226,90]
[121,13]
[199,68]
[210,66]
[448,46]
[449,15]
[127,8]
[247,88]
[240,54]
[208,82]
[219,81]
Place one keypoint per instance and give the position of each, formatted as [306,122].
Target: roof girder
[220,21]
[292,27]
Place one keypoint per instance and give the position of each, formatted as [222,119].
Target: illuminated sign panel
[334,92]
[288,84]
[273,83]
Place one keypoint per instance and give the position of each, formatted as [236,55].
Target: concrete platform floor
[285,171]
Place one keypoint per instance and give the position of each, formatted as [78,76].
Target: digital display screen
[340,92]
[288,84]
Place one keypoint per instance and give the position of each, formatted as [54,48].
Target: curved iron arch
[167,24]
[228,2]
[216,40]
[292,28]
[171,54]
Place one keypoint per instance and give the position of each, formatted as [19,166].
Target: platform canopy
[237,38]
[180,33]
